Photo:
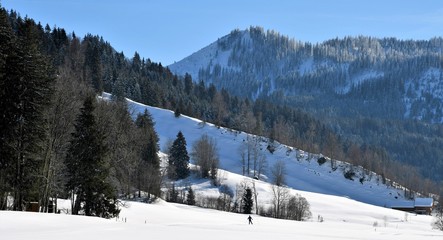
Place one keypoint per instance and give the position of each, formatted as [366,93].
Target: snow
[359,79]
[306,66]
[304,173]
[428,85]
[424,202]
[343,219]
[200,59]
[342,203]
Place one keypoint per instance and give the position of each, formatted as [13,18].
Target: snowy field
[344,219]
[350,209]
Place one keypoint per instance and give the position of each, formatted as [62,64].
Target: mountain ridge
[342,82]
[276,63]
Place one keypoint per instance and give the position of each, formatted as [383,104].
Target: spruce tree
[87,167]
[149,168]
[178,159]
[247,201]
[26,80]
[190,198]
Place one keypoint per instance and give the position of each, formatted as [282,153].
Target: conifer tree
[178,159]
[149,169]
[248,203]
[190,198]
[26,81]
[87,168]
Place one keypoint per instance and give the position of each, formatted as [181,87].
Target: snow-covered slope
[199,60]
[303,171]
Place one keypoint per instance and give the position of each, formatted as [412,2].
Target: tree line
[57,139]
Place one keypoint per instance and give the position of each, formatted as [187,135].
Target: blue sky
[169,30]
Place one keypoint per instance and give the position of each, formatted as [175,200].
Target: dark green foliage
[188,83]
[26,79]
[177,112]
[271,148]
[178,159]
[173,195]
[190,198]
[248,202]
[349,174]
[88,169]
[149,167]
[150,153]
[321,160]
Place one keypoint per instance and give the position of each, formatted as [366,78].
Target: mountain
[404,76]
[383,92]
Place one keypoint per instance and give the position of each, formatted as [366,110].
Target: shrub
[321,161]
[349,174]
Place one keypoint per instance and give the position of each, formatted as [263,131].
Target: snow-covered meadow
[343,219]
[350,209]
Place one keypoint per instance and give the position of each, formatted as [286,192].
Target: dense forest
[50,115]
[385,92]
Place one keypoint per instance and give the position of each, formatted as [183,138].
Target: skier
[250,219]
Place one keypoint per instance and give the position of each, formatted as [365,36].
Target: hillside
[382,92]
[303,171]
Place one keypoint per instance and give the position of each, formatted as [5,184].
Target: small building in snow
[418,205]
[424,205]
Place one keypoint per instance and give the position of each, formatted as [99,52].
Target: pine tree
[87,168]
[149,169]
[26,81]
[248,203]
[178,159]
[190,198]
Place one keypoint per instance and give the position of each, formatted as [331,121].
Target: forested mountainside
[382,92]
[47,78]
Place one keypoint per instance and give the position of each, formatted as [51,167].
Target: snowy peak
[256,63]
[216,54]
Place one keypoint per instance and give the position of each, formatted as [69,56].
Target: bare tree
[298,208]
[281,195]
[239,192]
[278,172]
[205,155]
[255,193]
[60,116]
[220,108]
[262,165]
[252,159]
[438,222]
[124,142]
[243,157]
